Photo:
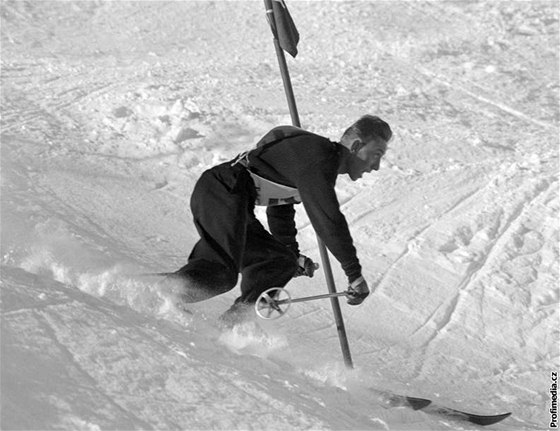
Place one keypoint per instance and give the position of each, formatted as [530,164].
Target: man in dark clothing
[288,166]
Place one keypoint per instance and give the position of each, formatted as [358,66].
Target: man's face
[367,158]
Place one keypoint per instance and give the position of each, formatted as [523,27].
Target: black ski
[430,407]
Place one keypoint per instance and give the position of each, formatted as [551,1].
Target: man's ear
[357,145]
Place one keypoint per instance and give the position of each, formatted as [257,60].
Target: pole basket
[273,303]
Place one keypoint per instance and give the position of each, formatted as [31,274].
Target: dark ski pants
[232,240]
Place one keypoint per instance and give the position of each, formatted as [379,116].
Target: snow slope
[111,111]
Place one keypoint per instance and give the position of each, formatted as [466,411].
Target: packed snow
[112,109]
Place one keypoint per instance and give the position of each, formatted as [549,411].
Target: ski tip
[487,419]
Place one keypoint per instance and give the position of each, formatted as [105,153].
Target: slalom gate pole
[322,248]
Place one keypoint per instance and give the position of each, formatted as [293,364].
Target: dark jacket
[310,163]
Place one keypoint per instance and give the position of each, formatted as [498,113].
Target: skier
[288,166]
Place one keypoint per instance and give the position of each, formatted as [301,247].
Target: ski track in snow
[476,271]
[110,112]
[507,109]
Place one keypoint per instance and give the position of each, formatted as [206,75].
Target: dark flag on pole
[286,30]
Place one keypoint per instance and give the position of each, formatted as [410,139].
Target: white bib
[270,193]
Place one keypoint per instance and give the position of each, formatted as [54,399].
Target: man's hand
[305,266]
[357,291]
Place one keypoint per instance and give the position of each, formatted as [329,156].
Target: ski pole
[278,300]
[311,298]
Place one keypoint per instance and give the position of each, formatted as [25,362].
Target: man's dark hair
[369,127]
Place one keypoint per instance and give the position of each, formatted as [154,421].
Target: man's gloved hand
[305,266]
[357,291]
